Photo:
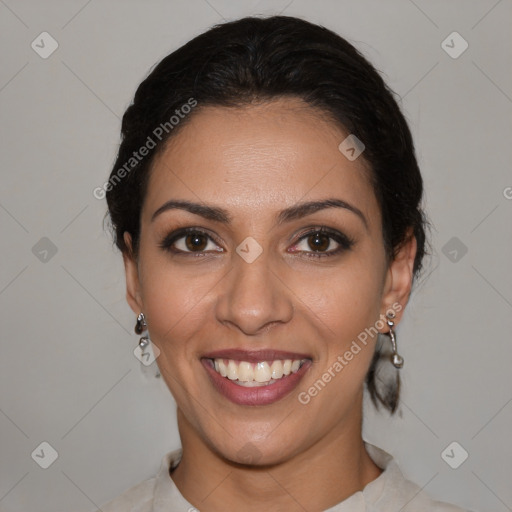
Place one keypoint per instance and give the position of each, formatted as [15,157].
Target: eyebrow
[294,212]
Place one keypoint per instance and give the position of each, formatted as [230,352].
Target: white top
[390,491]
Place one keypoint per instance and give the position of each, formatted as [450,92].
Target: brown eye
[190,240]
[323,242]
[319,242]
[196,242]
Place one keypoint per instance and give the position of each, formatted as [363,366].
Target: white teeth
[222,367]
[253,384]
[232,370]
[261,373]
[245,372]
[277,369]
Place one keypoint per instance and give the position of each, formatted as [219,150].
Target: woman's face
[254,283]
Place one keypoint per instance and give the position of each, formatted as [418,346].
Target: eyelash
[345,242]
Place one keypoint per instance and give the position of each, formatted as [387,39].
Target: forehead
[258,159]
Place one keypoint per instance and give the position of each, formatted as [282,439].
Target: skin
[254,161]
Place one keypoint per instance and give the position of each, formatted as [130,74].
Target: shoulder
[138,498]
[392,491]
[141,497]
[413,498]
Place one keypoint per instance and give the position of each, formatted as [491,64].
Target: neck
[317,478]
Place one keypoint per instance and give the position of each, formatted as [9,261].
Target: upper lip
[254,356]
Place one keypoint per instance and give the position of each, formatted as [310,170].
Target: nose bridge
[252,296]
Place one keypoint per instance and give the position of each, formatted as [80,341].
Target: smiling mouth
[261,373]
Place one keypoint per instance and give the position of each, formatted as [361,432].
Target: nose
[253,298]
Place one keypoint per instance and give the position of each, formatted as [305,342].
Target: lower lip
[259,395]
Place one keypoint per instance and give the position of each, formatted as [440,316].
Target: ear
[398,283]
[133,296]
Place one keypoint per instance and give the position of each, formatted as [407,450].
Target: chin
[256,453]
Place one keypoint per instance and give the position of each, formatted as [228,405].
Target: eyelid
[171,238]
[344,241]
[331,232]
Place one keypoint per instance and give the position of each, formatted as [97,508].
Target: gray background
[68,375]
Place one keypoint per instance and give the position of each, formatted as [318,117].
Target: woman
[266,200]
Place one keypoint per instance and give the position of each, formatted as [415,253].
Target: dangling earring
[140,326]
[143,355]
[396,359]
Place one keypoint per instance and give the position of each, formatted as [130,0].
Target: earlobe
[132,277]
[399,277]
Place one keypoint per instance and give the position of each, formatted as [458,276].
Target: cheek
[345,319]
[177,308]
[176,302]
[345,305]
[346,299]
